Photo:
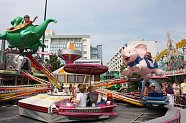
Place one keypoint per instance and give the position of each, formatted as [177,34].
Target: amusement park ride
[58,108]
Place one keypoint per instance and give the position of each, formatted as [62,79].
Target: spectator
[77,89]
[183,87]
[176,89]
[81,97]
[62,87]
[56,90]
[71,89]
[163,87]
[170,92]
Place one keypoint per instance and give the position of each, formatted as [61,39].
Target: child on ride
[27,19]
[81,97]
[93,98]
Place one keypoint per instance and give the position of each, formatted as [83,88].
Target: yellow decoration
[164,52]
[181,44]
[72,46]
[59,99]
[52,98]
[61,71]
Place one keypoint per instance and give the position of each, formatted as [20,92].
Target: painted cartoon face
[129,55]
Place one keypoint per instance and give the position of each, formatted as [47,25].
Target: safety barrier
[172,116]
[180,101]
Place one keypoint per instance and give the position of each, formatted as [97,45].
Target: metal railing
[180,101]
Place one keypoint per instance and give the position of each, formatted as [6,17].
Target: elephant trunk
[42,27]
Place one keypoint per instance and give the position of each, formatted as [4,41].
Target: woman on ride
[93,98]
[81,97]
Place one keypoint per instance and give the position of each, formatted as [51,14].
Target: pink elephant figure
[134,57]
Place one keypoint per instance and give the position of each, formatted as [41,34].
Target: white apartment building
[55,42]
[116,61]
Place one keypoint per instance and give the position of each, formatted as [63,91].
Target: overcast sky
[109,22]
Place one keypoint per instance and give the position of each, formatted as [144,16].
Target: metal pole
[42,56]
[16,79]
[3,53]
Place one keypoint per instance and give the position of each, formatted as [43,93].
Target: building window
[77,40]
[78,45]
[84,52]
[62,40]
[84,46]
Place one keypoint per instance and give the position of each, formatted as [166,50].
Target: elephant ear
[141,49]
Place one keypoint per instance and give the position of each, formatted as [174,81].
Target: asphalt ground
[127,114]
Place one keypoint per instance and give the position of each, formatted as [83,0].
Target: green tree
[133,80]
[54,62]
[133,86]
[122,67]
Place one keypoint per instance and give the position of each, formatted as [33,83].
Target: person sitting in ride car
[93,98]
[152,89]
[81,97]
[147,89]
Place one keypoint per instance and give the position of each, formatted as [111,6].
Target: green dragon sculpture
[25,36]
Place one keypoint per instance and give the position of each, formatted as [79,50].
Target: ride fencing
[180,101]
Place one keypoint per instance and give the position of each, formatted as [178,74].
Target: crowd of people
[176,92]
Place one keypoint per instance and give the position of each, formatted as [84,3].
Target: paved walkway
[183,115]
[127,114]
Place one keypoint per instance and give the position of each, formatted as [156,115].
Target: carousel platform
[42,107]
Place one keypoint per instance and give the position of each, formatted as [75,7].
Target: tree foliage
[134,80]
[133,86]
[55,62]
[122,67]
